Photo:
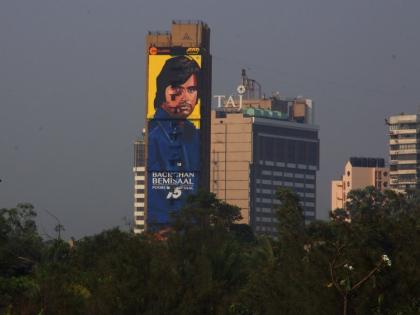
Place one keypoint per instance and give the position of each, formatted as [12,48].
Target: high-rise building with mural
[178,108]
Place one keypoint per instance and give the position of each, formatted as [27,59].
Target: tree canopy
[365,260]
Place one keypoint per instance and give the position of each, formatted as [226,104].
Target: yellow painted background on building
[156,63]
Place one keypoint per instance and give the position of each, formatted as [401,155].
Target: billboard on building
[173,138]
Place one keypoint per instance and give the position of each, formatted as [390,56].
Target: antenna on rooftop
[253,88]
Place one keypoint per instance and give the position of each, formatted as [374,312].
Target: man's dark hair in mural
[177,87]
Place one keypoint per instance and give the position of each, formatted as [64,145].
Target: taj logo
[230,103]
[174,194]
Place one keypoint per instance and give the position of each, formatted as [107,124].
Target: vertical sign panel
[173,113]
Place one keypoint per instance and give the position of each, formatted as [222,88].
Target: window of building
[266,210]
[405,157]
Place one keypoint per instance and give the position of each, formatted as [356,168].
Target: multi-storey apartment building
[404,151]
[359,172]
[139,185]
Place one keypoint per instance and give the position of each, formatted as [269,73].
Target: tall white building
[404,145]
[139,186]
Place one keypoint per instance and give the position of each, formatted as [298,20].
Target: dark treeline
[206,264]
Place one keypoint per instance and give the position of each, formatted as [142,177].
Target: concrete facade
[404,152]
[359,173]
[231,155]
[254,151]
[139,171]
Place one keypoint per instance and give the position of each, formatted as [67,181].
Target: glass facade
[283,157]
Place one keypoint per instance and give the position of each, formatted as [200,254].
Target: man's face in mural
[180,100]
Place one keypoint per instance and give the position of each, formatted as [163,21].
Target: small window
[385,184]
[348,184]
[385,173]
[348,173]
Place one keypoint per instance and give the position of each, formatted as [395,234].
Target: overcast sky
[72,88]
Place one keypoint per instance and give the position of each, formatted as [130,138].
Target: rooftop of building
[189,22]
[264,113]
[367,162]
[257,112]
[251,102]
[403,118]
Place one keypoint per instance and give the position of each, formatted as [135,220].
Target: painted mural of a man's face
[178,87]
[180,100]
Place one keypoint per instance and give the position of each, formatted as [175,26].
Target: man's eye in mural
[179,90]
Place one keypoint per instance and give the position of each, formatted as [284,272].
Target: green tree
[20,250]
[353,252]
[279,281]
[207,254]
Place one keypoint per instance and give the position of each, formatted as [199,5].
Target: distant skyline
[72,88]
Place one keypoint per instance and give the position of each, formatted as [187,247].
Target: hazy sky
[72,87]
